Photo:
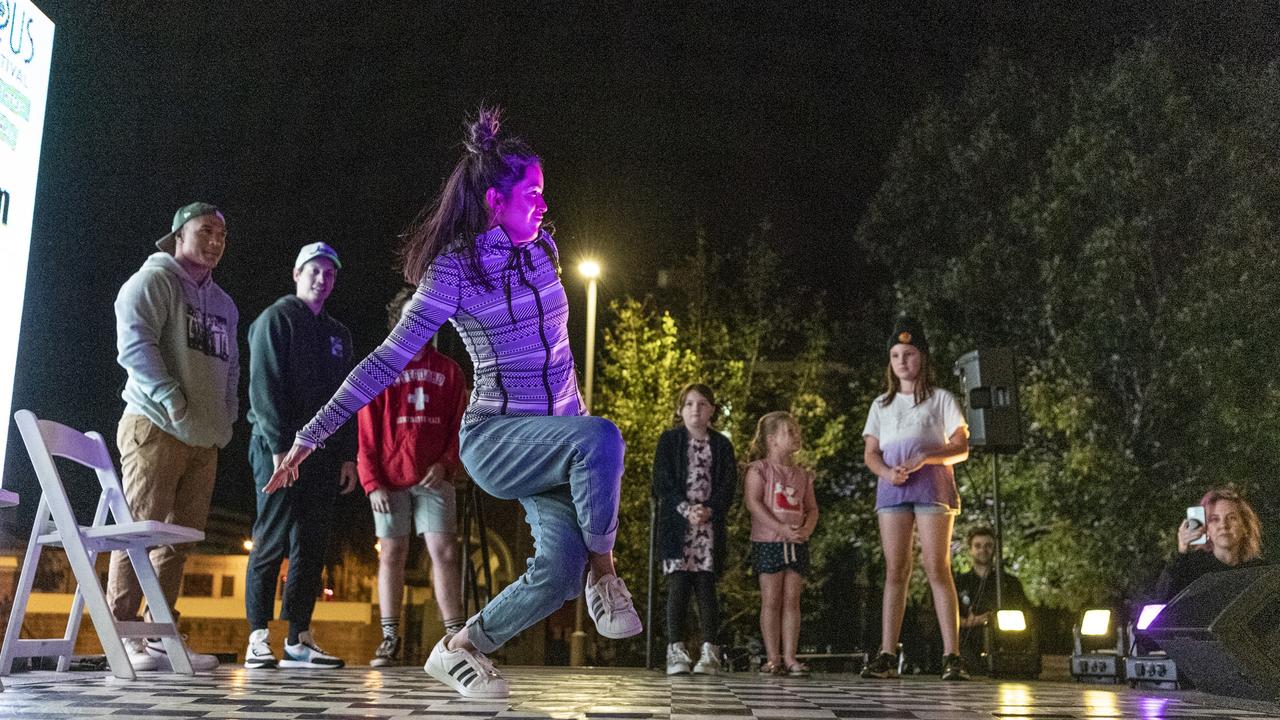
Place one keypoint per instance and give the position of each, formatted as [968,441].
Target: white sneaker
[306,654]
[139,658]
[677,659]
[468,672]
[609,605]
[200,662]
[708,661]
[259,656]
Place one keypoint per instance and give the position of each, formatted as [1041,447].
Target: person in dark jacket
[976,591]
[1232,538]
[298,355]
[694,478]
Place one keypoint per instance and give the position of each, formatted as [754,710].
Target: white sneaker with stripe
[467,672]
[200,662]
[609,605]
[307,654]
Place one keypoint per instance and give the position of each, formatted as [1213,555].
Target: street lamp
[590,269]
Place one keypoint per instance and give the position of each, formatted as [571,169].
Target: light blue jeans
[567,473]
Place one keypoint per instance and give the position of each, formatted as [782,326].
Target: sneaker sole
[678,671]
[450,682]
[261,664]
[305,665]
[383,663]
[630,631]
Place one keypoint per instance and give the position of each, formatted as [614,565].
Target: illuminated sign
[26,48]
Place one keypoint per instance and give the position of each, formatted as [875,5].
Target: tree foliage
[1119,232]
[739,342]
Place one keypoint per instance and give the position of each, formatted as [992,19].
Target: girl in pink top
[784,512]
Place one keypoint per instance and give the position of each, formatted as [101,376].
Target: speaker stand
[995,510]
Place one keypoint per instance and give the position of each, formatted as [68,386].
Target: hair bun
[482,133]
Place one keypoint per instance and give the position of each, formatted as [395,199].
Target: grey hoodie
[177,341]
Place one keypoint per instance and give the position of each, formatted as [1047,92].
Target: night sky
[337,122]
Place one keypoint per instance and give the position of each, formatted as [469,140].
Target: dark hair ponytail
[460,213]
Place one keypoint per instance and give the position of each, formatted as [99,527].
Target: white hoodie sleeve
[142,309]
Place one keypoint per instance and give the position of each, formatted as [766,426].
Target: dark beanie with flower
[909,331]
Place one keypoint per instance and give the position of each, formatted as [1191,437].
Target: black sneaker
[885,665]
[388,653]
[953,668]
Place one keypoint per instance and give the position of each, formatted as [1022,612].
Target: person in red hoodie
[407,462]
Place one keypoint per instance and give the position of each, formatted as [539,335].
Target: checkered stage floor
[590,693]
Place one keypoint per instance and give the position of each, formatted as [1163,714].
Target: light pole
[590,269]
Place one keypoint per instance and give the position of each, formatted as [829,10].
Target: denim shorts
[934,508]
[430,510]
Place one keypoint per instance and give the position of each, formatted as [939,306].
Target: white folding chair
[56,526]
[8,498]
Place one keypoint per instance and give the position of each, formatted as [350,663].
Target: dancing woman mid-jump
[482,260]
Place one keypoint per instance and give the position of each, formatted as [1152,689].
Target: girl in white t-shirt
[914,433]
[784,512]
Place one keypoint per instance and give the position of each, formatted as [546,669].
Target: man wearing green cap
[176,339]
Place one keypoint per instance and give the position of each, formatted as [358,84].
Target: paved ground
[589,693]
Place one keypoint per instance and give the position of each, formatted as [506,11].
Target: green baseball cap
[180,218]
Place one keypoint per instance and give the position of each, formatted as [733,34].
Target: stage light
[1099,648]
[1148,615]
[1147,665]
[1011,621]
[1012,648]
[248,545]
[1096,623]
[377,547]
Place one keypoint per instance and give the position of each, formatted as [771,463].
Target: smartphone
[1195,514]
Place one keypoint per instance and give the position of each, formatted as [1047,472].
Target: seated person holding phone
[1229,536]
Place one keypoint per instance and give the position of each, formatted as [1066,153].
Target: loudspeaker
[990,382]
[1223,631]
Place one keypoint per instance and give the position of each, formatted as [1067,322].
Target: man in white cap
[176,339]
[298,357]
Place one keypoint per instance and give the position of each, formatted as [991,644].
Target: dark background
[337,122]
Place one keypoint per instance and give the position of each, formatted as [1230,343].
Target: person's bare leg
[771,615]
[446,573]
[792,583]
[895,535]
[935,555]
[601,564]
[391,560]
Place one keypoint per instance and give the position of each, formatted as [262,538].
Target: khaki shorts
[429,510]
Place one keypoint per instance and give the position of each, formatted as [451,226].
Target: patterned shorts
[772,557]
